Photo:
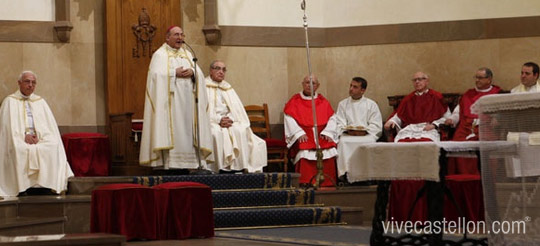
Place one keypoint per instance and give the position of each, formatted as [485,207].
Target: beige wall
[339,13]
[27,10]
[70,75]
[273,74]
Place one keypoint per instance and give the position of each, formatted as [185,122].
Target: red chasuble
[300,110]
[466,118]
[465,128]
[415,109]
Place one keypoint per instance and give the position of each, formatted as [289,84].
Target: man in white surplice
[358,122]
[235,146]
[169,128]
[31,150]
[529,79]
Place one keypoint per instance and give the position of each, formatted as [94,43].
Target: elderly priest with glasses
[236,147]
[31,150]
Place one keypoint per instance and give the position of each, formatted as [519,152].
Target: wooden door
[135,29]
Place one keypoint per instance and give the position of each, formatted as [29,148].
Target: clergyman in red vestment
[299,133]
[417,118]
[467,122]
[420,113]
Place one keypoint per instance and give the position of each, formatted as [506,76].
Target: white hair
[25,72]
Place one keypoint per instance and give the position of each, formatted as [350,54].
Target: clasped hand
[184,73]
[31,139]
[304,138]
[225,122]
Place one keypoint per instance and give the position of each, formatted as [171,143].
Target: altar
[427,161]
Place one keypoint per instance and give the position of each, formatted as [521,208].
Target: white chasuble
[23,165]
[170,121]
[236,147]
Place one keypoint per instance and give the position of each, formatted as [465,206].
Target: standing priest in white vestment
[31,150]
[235,146]
[169,128]
[358,122]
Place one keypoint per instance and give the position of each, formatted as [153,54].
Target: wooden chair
[276,148]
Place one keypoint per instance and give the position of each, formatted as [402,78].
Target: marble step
[32,225]
[353,215]
[85,239]
[260,217]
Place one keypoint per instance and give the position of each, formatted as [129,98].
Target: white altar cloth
[411,161]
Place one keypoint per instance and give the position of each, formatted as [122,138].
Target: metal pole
[200,169]
[319,178]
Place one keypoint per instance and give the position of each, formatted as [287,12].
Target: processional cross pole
[319,177]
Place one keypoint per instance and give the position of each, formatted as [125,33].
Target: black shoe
[40,192]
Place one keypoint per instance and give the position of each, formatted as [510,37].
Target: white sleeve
[455,116]
[396,120]
[374,127]
[292,130]
[441,120]
[331,129]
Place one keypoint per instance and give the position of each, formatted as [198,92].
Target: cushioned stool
[127,209]
[87,153]
[184,209]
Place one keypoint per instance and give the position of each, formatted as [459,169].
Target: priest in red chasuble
[467,122]
[417,119]
[420,113]
[299,133]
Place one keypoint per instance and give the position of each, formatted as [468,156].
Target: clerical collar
[421,93]
[223,85]
[24,97]
[484,90]
[171,48]
[308,97]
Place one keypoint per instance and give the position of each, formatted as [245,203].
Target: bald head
[175,37]
[306,90]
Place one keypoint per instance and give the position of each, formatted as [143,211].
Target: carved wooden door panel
[135,29]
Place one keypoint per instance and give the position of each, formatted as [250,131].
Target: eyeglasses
[479,77]
[27,81]
[418,79]
[224,69]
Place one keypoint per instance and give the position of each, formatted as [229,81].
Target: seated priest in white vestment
[236,147]
[169,136]
[31,151]
[358,121]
